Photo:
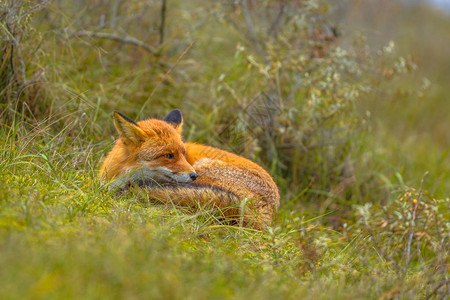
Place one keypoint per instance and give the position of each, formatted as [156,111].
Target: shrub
[22,79]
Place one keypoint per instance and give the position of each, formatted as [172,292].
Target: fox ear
[175,119]
[129,131]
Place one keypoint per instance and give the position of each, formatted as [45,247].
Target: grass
[365,207]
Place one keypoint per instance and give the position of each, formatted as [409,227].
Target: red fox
[152,152]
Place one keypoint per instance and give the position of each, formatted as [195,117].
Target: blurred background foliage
[345,103]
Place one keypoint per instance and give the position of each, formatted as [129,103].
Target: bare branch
[163,21]
[412,226]
[279,19]
[251,29]
[127,39]
[115,9]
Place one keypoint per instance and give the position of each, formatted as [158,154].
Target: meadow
[344,105]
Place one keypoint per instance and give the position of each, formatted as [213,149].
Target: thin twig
[436,289]
[275,27]
[251,29]
[163,21]
[413,221]
[127,39]
[115,9]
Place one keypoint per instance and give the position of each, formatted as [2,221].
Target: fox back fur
[151,152]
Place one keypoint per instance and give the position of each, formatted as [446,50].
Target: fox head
[149,150]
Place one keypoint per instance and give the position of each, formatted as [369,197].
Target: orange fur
[224,179]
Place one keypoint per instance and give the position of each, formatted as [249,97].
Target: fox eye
[168,155]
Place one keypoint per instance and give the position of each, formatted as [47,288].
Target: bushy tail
[230,205]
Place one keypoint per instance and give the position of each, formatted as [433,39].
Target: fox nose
[193,176]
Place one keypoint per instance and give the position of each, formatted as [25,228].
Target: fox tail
[227,203]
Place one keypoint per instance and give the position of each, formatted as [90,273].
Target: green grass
[364,199]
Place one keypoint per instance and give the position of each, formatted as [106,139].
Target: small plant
[410,234]
[22,80]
